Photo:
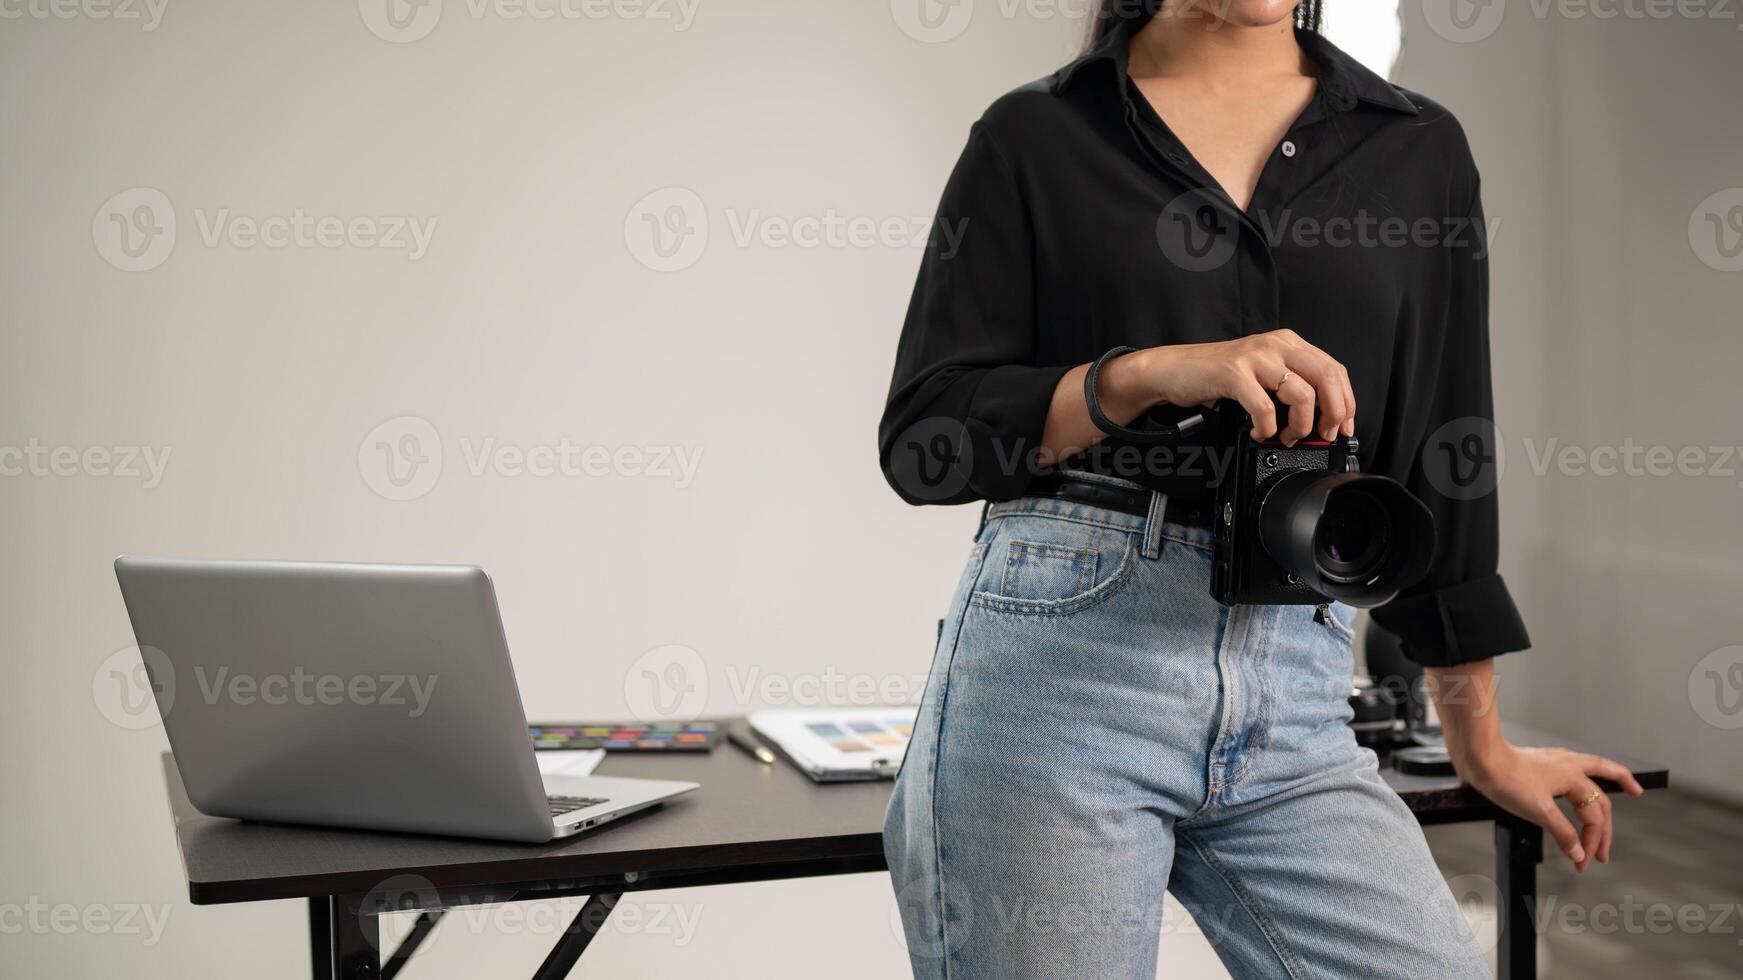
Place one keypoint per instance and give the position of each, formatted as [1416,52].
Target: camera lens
[1354,537]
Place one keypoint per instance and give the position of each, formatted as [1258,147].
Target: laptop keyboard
[569,804]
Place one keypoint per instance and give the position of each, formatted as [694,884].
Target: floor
[1669,906]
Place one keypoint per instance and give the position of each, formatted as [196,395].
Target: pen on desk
[750,744]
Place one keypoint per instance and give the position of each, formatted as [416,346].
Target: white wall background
[530,144]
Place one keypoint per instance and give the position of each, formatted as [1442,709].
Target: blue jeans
[1097,730]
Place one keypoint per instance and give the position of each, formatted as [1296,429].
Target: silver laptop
[353,695]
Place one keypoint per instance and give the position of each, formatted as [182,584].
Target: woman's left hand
[1527,781]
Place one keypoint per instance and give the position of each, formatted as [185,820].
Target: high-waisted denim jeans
[1097,730]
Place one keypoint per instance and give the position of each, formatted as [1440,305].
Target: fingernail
[1578,854]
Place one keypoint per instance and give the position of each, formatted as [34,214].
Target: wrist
[1465,698]
[1480,760]
[1128,385]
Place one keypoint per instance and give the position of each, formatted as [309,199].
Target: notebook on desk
[838,744]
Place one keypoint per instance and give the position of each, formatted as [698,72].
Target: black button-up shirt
[1075,222]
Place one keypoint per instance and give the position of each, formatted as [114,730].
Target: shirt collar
[1342,79]
[1112,49]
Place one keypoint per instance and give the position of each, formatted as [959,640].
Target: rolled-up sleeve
[968,402]
[1461,611]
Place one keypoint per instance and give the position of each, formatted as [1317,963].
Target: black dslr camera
[1301,525]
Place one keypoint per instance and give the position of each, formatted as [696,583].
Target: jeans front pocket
[1043,565]
[1047,571]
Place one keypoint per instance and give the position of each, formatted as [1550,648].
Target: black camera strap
[1159,433]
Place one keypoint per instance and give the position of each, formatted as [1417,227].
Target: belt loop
[1153,525]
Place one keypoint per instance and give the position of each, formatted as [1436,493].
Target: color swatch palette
[833,745]
[863,735]
[695,736]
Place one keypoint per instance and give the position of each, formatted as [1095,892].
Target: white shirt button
[1288,148]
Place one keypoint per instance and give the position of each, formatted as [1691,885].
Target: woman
[1219,188]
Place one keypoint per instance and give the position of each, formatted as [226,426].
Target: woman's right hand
[1247,370]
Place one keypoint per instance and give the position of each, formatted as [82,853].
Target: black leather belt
[1126,500]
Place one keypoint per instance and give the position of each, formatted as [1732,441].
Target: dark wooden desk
[748,822]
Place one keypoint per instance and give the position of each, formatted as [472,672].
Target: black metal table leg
[420,931]
[360,941]
[1518,852]
[354,947]
[575,938]
[320,939]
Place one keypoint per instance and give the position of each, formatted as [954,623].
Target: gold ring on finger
[1588,801]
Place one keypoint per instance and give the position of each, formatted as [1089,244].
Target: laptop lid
[348,694]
